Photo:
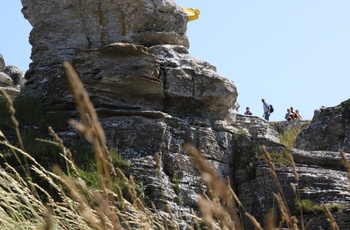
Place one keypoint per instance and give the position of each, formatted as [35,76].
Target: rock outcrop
[329,130]
[69,26]
[152,97]
[150,94]
[11,78]
[317,176]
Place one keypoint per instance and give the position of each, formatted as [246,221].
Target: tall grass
[25,204]
[12,112]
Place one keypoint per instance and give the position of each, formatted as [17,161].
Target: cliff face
[60,28]
[329,130]
[152,97]
[320,178]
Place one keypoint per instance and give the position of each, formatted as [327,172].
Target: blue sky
[292,53]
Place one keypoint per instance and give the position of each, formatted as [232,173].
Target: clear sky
[292,53]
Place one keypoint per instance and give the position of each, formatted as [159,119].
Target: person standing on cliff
[266,108]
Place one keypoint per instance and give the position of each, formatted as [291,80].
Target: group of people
[290,115]
[266,107]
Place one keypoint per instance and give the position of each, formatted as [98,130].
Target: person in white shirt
[266,108]
[289,116]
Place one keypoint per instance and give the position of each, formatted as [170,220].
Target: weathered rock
[321,176]
[172,178]
[328,130]
[291,125]
[11,79]
[256,129]
[191,86]
[138,80]
[168,135]
[2,63]
[131,83]
[16,75]
[95,23]
[152,97]
[5,80]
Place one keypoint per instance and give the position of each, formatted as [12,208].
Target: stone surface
[5,80]
[152,97]
[94,23]
[329,129]
[2,63]
[16,75]
[192,87]
[147,73]
[11,79]
[322,178]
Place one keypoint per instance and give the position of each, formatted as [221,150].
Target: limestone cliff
[329,130]
[152,97]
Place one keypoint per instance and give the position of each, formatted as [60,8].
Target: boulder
[328,130]
[5,80]
[70,25]
[11,79]
[16,75]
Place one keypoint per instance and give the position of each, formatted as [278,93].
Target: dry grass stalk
[67,155]
[297,195]
[330,218]
[66,208]
[213,215]
[224,211]
[18,205]
[291,161]
[345,162]
[12,112]
[286,215]
[255,223]
[23,207]
[269,161]
[269,220]
[86,211]
[90,127]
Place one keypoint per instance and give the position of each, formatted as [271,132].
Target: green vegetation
[288,137]
[308,206]
[31,112]
[175,181]
[291,131]
[281,159]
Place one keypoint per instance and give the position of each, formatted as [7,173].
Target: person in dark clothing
[247,111]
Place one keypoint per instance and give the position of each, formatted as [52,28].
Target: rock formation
[11,78]
[329,130]
[93,24]
[321,176]
[152,97]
